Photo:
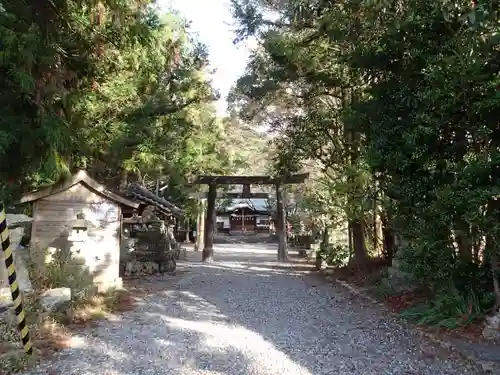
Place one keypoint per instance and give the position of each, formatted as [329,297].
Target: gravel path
[246,314]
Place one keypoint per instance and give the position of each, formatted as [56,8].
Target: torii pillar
[208,249]
[246,181]
[281,227]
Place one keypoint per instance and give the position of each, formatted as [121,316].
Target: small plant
[335,255]
[383,288]
[61,271]
[448,310]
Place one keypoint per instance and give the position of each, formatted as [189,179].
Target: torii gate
[208,227]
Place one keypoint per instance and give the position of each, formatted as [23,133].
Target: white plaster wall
[224,220]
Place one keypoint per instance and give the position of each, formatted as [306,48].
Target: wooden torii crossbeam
[208,222]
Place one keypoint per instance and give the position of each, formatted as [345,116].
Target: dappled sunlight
[253,345]
[189,334]
[192,336]
[258,259]
[236,315]
[77,342]
[264,269]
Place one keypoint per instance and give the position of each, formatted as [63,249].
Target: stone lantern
[79,229]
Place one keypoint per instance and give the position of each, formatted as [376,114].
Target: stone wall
[149,248]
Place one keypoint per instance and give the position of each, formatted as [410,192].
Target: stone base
[6,296]
[135,267]
[492,327]
[117,284]
[54,299]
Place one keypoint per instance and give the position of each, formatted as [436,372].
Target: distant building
[245,216]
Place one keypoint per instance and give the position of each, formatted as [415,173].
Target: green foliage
[335,255]
[394,105]
[384,288]
[450,310]
[117,88]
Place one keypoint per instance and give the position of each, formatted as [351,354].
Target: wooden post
[281,224]
[208,250]
[186,238]
[215,220]
[200,227]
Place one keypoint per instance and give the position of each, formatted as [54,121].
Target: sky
[212,21]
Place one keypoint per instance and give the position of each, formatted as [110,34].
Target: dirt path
[247,314]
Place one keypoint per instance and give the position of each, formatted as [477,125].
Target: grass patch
[449,311]
[99,306]
[383,289]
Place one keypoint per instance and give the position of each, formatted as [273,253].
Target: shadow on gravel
[248,314]
[178,339]
[301,321]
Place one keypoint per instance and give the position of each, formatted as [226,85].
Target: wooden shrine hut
[80,216]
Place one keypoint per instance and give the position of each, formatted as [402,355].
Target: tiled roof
[257,204]
[141,193]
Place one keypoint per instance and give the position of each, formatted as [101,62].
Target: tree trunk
[378,233]
[320,262]
[496,285]
[123,180]
[462,239]
[388,236]
[281,224]
[208,249]
[325,238]
[492,244]
[200,228]
[477,241]
[358,239]
[349,238]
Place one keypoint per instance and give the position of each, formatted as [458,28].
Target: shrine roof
[141,193]
[80,177]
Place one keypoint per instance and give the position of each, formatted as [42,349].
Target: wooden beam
[222,195]
[241,196]
[246,191]
[250,180]
[208,250]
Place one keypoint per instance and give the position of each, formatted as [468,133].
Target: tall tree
[116,88]
[399,101]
